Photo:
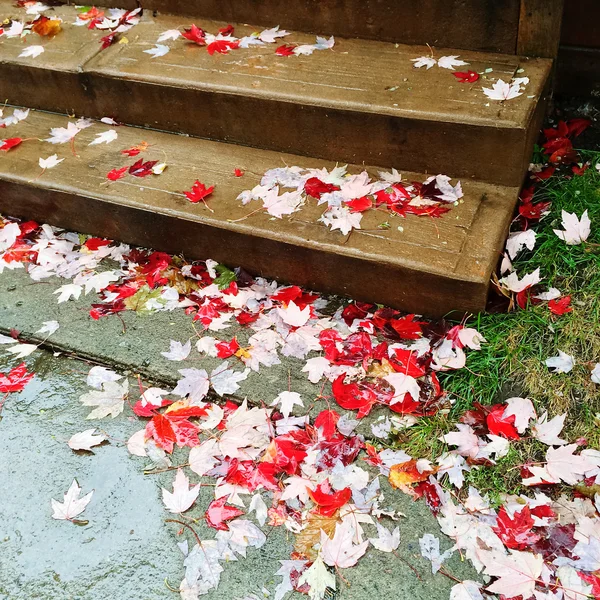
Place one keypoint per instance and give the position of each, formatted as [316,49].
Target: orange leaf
[46,27]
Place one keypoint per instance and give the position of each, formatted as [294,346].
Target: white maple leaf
[153,396]
[563,363]
[514,284]
[72,505]
[202,458]
[270,35]
[178,351]
[576,230]
[182,497]
[324,43]
[517,572]
[387,541]
[430,549]
[573,586]
[170,34]
[288,400]
[316,368]
[503,91]
[318,578]
[17,116]
[158,50]
[449,62]
[498,446]
[62,135]
[293,315]
[340,217]
[523,411]
[563,464]
[68,291]
[467,590]
[108,401]
[8,235]
[551,294]
[50,162]
[424,61]
[465,439]
[86,440]
[297,487]
[49,327]
[519,240]
[225,381]
[285,204]
[257,504]
[136,444]
[31,52]
[106,137]
[286,570]
[159,168]
[596,373]
[403,384]
[548,431]
[22,350]
[98,375]
[340,551]
[15,29]
[194,383]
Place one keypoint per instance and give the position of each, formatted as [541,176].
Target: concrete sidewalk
[127,551]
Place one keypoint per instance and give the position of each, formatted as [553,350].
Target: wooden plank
[487,25]
[539,27]
[417,264]
[361,102]
[578,71]
[581,24]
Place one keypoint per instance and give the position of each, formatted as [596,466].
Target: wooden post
[539,28]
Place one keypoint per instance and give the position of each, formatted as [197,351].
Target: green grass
[511,363]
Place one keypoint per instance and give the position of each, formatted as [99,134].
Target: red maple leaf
[327,500]
[227,349]
[534,212]
[500,425]
[360,204]
[174,427]
[94,244]
[238,173]
[217,513]
[466,76]
[141,168]
[10,143]
[326,421]
[199,192]
[15,380]
[108,40]
[580,170]
[516,533]
[285,50]
[227,30]
[117,174]
[361,397]
[195,34]
[560,306]
[407,328]
[222,46]
[315,187]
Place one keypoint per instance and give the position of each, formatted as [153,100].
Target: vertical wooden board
[539,28]
[581,24]
[488,25]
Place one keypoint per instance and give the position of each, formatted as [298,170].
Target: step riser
[487,25]
[497,155]
[402,288]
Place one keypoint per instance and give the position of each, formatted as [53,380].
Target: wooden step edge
[417,263]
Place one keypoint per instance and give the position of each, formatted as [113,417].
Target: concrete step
[486,25]
[361,102]
[418,263]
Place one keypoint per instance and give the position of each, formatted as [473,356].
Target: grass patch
[518,343]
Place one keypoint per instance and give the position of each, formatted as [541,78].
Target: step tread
[356,75]
[463,245]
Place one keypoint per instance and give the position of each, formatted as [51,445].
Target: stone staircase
[251,110]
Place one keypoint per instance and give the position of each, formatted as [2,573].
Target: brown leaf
[311,534]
